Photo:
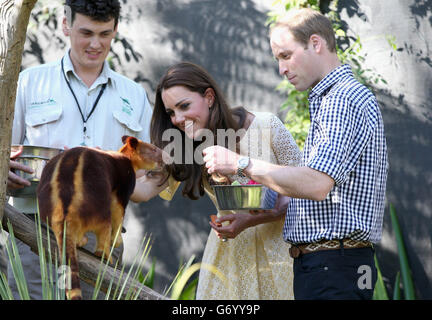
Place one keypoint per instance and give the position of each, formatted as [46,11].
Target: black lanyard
[76,100]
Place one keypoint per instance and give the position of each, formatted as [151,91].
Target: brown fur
[88,189]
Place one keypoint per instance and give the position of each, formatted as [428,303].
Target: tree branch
[14,18]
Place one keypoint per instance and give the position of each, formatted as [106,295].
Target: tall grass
[16,268]
[55,278]
[380,292]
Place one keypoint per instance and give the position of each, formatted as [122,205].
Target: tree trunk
[25,230]
[14,18]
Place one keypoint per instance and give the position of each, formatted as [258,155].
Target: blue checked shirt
[346,141]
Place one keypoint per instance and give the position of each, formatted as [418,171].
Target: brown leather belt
[299,249]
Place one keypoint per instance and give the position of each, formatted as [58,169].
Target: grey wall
[230,40]
[407,111]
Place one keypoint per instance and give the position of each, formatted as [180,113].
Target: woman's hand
[148,185]
[237,223]
[279,210]
[241,221]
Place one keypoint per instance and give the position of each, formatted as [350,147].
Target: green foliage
[148,279]
[177,287]
[408,284]
[396,289]
[297,118]
[189,291]
[17,270]
[45,12]
[53,275]
[380,292]
[349,50]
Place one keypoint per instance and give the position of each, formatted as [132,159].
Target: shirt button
[325,268]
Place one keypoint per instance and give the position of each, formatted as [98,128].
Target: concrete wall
[407,110]
[230,40]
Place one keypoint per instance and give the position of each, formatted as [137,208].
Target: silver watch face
[243,162]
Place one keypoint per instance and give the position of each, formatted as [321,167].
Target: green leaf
[396,290]
[407,281]
[340,33]
[380,292]
[189,292]
[16,265]
[149,278]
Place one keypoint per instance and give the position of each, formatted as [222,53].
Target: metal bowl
[245,197]
[35,157]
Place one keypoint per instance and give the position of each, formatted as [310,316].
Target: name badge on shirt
[124,114]
[126,107]
[41,112]
[41,104]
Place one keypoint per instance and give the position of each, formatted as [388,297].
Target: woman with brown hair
[191,108]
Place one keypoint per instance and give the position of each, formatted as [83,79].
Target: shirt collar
[104,76]
[329,80]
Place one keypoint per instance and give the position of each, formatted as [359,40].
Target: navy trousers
[341,274]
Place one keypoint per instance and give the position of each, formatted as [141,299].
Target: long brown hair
[195,79]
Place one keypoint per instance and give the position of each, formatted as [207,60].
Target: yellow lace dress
[256,264]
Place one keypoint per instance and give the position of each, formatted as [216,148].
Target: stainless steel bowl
[35,157]
[245,197]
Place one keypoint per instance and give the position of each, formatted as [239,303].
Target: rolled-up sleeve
[341,131]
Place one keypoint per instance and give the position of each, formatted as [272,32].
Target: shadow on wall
[45,29]
[408,188]
[230,40]
[409,139]
[352,9]
[420,10]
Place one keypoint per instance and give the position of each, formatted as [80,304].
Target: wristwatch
[242,164]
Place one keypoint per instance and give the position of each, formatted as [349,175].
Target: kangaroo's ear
[132,142]
[124,138]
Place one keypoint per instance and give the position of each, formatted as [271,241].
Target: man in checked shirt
[338,192]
